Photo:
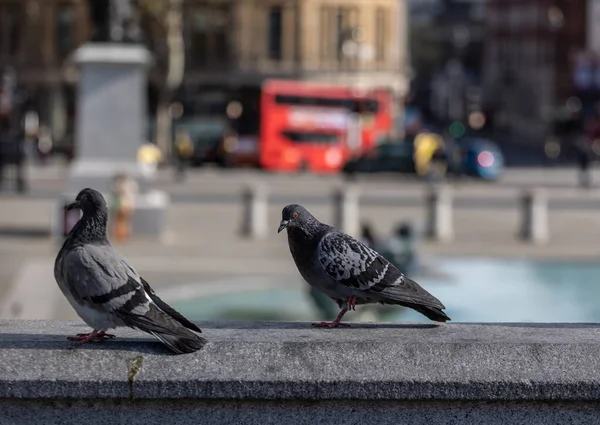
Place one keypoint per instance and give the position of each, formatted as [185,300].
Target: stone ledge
[291,361]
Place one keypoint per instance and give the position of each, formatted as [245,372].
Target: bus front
[297,136]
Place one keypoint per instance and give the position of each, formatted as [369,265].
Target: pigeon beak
[283,225]
[72,206]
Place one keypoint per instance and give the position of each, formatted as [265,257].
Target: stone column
[439,218]
[346,210]
[111,113]
[255,205]
[534,216]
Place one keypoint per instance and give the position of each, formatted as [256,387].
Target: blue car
[476,157]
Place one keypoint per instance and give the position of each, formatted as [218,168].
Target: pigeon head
[296,216]
[90,202]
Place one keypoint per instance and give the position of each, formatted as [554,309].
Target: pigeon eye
[295,215]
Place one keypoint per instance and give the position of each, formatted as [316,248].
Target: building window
[207,36]
[66,19]
[275,33]
[198,42]
[324,33]
[381,31]
[10,23]
[338,32]
[312,138]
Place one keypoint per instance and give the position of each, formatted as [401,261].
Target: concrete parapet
[268,373]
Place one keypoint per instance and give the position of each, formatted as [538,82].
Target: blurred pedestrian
[44,144]
[584,146]
[185,149]
[124,192]
[584,158]
[401,248]
[439,163]
[5,145]
[366,235]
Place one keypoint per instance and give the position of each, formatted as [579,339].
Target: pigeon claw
[91,337]
[330,325]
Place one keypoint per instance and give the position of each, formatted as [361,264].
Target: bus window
[352,105]
[310,138]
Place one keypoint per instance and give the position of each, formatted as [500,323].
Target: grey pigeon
[106,292]
[348,271]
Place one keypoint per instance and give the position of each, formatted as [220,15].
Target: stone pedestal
[111,111]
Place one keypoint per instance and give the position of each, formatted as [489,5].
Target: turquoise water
[473,290]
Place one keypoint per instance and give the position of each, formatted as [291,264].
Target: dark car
[388,157]
[207,134]
[476,157]
[468,156]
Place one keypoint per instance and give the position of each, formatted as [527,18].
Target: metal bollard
[534,216]
[255,205]
[346,210]
[440,222]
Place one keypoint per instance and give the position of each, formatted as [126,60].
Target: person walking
[125,190]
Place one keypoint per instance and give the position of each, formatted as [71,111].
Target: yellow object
[148,154]
[424,148]
[184,145]
[425,145]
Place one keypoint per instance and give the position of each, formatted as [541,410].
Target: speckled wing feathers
[353,264]
[350,262]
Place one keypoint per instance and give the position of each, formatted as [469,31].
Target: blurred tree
[168,19]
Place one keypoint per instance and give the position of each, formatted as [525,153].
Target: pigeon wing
[353,264]
[99,277]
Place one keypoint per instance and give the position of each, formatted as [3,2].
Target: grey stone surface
[291,361]
[111,100]
[289,373]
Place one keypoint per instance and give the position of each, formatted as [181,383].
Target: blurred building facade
[231,46]
[446,48]
[36,38]
[531,48]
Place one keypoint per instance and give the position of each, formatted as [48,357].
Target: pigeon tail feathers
[181,344]
[168,330]
[419,300]
[168,309]
[432,313]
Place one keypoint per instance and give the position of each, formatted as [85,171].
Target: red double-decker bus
[317,127]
